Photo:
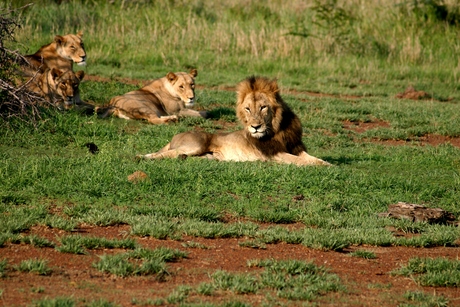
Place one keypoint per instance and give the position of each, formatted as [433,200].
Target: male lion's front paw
[170,118]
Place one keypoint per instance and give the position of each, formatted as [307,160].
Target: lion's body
[162,100]
[272,132]
[58,87]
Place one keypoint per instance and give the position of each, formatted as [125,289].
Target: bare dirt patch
[429,139]
[360,127]
[412,93]
[368,282]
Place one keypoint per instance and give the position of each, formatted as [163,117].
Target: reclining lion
[59,54]
[272,132]
[161,101]
[58,87]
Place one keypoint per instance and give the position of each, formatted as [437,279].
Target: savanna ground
[75,230]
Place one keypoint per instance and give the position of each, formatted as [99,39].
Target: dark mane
[287,129]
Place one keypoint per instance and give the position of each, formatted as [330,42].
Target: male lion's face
[66,84]
[256,113]
[71,47]
[182,85]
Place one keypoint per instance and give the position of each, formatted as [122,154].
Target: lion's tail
[104,111]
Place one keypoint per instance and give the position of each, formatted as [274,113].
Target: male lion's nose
[256,127]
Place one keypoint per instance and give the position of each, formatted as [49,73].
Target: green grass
[360,253]
[371,51]
[289,279]
[76,244]
[421,299]
[55,302]
[37,266]
[139,262]
[3,264]
[437,272]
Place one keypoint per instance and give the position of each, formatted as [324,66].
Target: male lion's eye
[181,86]
[262,108]
[248,110]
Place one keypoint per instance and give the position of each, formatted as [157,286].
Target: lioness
[161,101]
[58,87]
[61,53]
[272,132]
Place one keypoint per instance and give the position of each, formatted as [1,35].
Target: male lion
[272,132]
[58,87]
[161,101]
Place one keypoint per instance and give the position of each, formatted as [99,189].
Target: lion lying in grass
[60,56]
[58,87]
[161,101]
[61,53]
[272,132]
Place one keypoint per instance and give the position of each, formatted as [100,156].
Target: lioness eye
[181,86]
[248,110]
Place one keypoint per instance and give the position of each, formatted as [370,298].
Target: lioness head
[182,85]
[65,84]
[258,108]
[71,47]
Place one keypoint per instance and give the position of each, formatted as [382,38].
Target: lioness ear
[80,34]
[55,73]
[194,73]
[59,39]
[80,74]
[171,76]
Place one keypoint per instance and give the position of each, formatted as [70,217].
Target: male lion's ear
[80,34]
[193,72]
[59,39]
[171,76]
[80,74]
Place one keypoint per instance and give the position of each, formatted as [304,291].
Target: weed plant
[37,241]
[3,264]
[37,266]
[56,302]
[363,254]
[432,272]
[127,264]
[76,244]
[424,300]
[289,279]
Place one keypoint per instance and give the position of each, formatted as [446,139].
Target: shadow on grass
[222,113]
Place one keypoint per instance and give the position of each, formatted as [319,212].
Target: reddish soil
[430,139]
[368,282]
[412,93]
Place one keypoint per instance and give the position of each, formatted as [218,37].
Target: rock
[419,213]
